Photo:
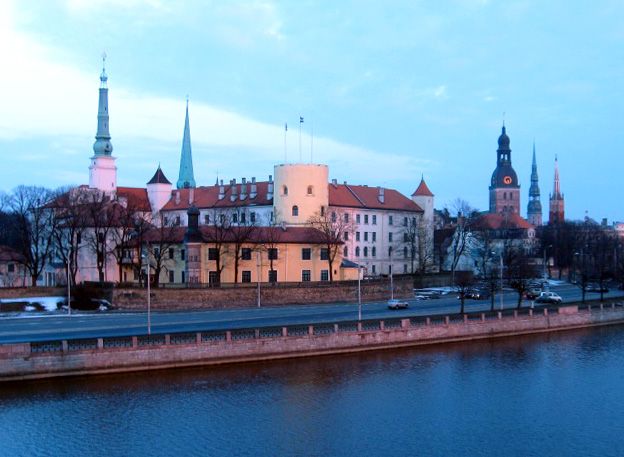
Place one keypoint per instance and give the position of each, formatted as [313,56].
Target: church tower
[102,171]
[534,209]
[504,187]
[556,213]
[186,178]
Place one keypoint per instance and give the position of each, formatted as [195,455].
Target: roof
[136,197]
[159,178]
[497,221]
[208,197]
[422,190]
[8,254]
[365,197]
[257,235]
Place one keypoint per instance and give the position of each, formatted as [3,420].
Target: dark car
[476,294]
[533,293]
[592,287]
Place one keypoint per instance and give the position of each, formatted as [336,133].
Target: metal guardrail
[289,331]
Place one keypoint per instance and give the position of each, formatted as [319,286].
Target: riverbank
[159,351]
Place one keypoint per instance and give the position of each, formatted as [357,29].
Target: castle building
[504,186]
[534,208]
[556,213]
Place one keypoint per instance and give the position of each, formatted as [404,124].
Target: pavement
[120,323]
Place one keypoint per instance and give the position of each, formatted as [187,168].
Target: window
[405,237]
[404,268]
[365,236]
[389,269]
[156,252]
[246,254]
[345,236]
[346,217]
[345,252]
[357,218]
[206,219]
[333,216]
[78,238]
[405,221]
[272,253]
[374,219]
[324,254]
[357,236]
[373,251]
[243,218]
[324,275]
[405,252]
[306,253]
[182,255]
[504,195]
[235,218]
[374,234]
[222,219]
[310,190]
[285,190]
[390,251]
[390,237]
[366,218]
[252,217]
[135,275]
[272,275]
[390,221]
[171,276]
[11,268]
[305,275]
[246,276]
[357,251]
[365,251]
[213,277]
[374,269]
[213,253]
[171,253]
[183,277]
[177,220]
[295,210]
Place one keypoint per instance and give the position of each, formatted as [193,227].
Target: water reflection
[550,394]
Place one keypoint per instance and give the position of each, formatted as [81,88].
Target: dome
[503,140]
[504,176]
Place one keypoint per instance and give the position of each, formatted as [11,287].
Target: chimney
[254,188]
[221,190]
[345,183]
[381,196]
[234,190]
[177,197]
[243,194]
[270,188]
[191,195]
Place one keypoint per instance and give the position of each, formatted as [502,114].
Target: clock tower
[504,187]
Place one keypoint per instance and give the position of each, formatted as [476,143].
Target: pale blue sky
[392,89]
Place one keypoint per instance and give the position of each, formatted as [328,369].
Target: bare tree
[417,243]
[464,280]
[218,235]
[520,270]
[331,227]
[272,236]
[241,233]
[34,222]
[158,242]
[459,243]
[130,226]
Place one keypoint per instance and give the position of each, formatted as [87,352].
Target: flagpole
[300,122]
[285,149]
[311,141]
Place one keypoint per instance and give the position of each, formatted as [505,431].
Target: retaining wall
[107,355]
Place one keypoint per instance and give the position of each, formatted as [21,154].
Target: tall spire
[557,204]
[186,178]
[557,186]
[534,209]
[103,145]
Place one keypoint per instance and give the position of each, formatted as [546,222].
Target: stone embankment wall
[246,296]
[108,355]
[26,292]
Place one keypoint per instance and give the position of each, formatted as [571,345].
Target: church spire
[534,210]
[186,178]
[103,145]
[557,186]
[557,204]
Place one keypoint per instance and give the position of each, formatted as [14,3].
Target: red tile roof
[136,196]
[422,190]
[365,197]
[208,197]
[501,221]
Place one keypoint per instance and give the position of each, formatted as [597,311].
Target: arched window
[310,189]
[365,251]
[285,190]
[345,252]
[357,251]
[295,210]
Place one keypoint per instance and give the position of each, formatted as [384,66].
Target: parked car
[476,294]
[548,297]
[395,303]
[593,287]
[533,293]
[425,294]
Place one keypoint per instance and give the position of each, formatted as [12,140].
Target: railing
[298,331]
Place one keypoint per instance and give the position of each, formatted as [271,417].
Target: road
[119,323]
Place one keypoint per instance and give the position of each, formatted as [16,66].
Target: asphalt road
[117,323]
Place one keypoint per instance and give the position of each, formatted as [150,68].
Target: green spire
[186,179]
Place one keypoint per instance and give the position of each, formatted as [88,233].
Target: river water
[545,395]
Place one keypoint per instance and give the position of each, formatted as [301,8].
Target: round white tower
[301,190]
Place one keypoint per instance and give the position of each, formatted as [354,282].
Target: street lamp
[391,282]
[359,294]
[68,289]
[544,261]
[149,307]
[258,266]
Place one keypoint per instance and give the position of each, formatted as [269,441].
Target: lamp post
[391,282]
[501,280]
[359,294]
[258,265]
[149,304]
[68,289]
[544,261]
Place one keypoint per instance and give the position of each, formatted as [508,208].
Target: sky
[389,92]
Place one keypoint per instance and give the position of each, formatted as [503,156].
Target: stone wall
[63,358]
[230,296]
[25,292]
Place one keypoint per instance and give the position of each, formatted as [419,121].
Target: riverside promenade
[73,357]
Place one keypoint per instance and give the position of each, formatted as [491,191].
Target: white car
[548,297]
[397,304]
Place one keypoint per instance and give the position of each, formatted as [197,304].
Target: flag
[301,119]
[285,126]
